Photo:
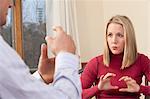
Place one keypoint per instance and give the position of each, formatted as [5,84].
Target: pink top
[95,68]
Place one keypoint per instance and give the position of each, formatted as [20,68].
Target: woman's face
[115,38]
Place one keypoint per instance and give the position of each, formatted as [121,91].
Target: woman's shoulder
[142,56]
[97,58]
[144,62]
[92,63]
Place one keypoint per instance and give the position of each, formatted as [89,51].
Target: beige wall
[90,22]
[93,15]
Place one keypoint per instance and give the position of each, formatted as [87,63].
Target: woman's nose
[114,39]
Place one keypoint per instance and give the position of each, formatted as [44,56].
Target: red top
[95,68]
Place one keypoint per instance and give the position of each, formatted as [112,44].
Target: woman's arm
[88,77]
[146,64]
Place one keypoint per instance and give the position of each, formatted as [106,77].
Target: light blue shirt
[16,81]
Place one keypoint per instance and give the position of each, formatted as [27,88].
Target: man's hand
[61,42]
[46,66]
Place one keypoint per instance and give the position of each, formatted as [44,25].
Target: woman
[118,72]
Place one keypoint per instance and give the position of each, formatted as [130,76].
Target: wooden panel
[17,27]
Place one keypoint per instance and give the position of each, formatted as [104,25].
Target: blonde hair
[130,48]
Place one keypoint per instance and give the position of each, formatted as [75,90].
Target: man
[17,83]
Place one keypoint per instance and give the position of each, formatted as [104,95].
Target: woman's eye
[120,35]
[109,35]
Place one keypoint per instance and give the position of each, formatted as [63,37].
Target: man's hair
[130,48]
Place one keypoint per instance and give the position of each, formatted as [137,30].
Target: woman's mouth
[114,48]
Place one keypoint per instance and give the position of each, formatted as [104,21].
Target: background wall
[90,22]
[93,15]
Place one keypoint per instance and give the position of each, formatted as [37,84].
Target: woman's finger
[109,75]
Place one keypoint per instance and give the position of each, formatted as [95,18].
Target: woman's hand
[104,82]
[132,86]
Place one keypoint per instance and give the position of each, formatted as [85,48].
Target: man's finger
[49,39]
[44,51]
[58,30]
